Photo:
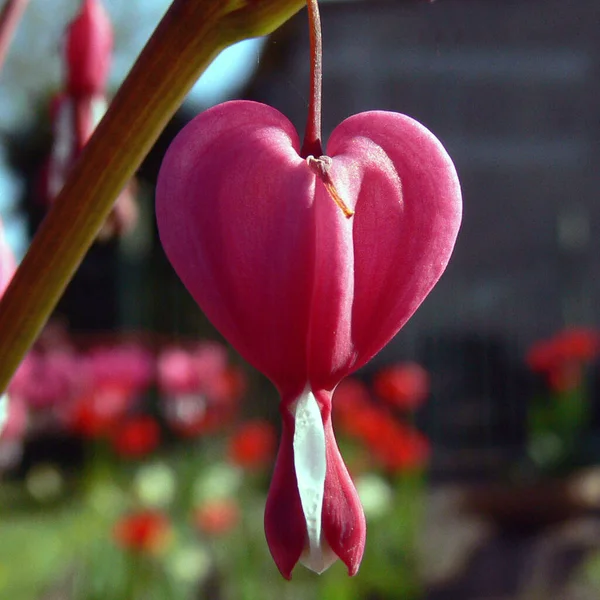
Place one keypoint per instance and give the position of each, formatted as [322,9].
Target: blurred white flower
[375,495]
[44,482]
[154,485]
[218,481]
[190,564]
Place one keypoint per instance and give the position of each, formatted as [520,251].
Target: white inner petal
[310,463]
[62,147]
[3,411]
[99,107]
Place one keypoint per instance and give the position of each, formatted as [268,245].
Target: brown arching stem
[10,16]
[312,145]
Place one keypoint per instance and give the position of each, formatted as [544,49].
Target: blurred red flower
[144,532]
[401,448]
[351,396]
[253,445]
[561,358]
[217,517]
[404,385]
[97,411]
[136,437]
[392,444]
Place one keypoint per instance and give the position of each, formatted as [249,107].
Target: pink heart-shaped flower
[304,293]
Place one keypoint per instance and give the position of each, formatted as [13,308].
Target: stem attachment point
[320,167]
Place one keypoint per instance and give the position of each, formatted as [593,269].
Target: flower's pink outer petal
[285,526]
[234,214]
[342,520]
[374,270]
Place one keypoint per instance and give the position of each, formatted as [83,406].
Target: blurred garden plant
[560,412]
[158,512]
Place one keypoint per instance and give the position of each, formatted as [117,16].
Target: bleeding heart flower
[253,227]
[89,42]
[76,112]
[304,294]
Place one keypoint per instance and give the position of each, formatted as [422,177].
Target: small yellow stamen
[320,167]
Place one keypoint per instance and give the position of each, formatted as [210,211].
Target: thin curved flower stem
[190,35]
[312,145]
[10,17]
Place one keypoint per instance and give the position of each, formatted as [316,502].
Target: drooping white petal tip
[310,463]
[318,559]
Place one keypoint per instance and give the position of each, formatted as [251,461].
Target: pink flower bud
[89,41]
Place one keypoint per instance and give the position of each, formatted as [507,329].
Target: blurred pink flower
[130,366]
[176,372]
[199,388]
[48,379]
[188,370]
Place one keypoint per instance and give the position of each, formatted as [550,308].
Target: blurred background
[138,449]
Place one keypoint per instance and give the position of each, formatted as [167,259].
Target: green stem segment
[312,145]
[10,17]
[188,38]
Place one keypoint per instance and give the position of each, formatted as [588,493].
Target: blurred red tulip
[97,411]
[404,385]
[253,445]
[136,437]
[144,532]
[217,517]
[401,449]
[561,357]
[391,443]
[350,395]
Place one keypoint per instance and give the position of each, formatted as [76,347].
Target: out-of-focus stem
[188,38]
[11,14]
